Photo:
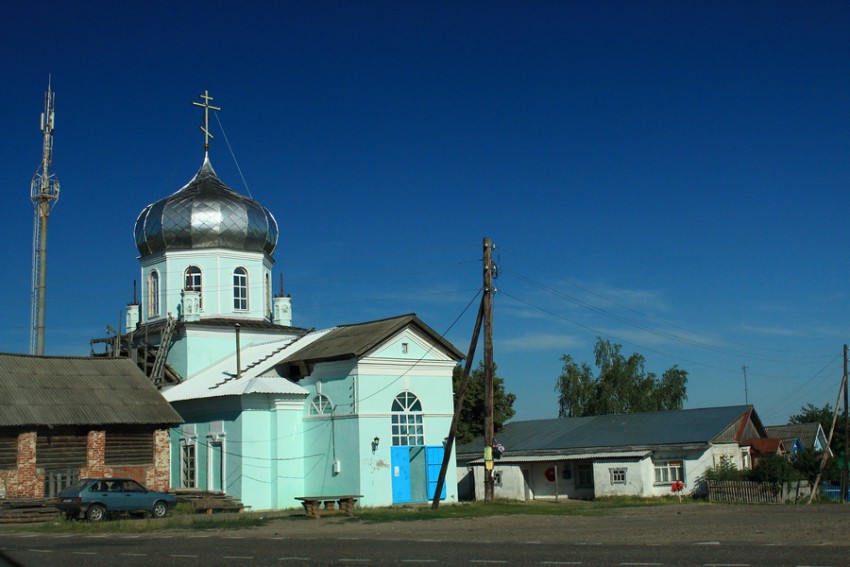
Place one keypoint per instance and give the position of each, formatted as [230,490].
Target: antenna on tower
[44,192]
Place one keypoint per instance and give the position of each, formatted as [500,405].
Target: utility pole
[461,393]
[825,456]
[844,470]
[487,300]
[746,394]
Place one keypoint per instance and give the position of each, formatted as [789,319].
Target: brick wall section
[161,460]
[95,451]
[26,481]
[23,481]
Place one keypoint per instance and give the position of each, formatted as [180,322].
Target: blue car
[97,498]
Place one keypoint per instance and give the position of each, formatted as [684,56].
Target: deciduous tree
[471,422]
[622,385]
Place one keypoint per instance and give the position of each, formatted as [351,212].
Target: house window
[192,282]
[407,422]
[745,458]
[153,294]
[618,476]
[567,471]
[321,405]
[404,348]
[240,289]
[497,478]
[584,475]
[187,463]
[668,472]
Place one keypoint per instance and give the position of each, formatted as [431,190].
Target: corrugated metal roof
[220,379]
[807,433]
[43,390]
[570,457]
[354,341]
[692,426]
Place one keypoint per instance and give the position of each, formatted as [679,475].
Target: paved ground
[756,524]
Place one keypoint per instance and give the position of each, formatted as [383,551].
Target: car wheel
[96,513]
[159,509]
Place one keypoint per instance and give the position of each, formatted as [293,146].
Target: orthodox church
[275,411]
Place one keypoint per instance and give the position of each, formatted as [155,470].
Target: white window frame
[407,421]
[240,289]
[618,475]
[194,281]
[321,405]
[669,471]
[153,294]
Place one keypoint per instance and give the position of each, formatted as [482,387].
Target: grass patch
[183,519]
[597,507]
[175,521]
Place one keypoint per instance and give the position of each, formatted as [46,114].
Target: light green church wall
[329,439]
[254,427]
[200,348]
[217,266]
[263,447]
[287,454]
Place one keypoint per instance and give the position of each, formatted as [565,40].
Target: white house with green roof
[639,454]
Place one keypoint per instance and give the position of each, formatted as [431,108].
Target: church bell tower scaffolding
[44,192]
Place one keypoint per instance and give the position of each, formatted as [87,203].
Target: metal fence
[833,491]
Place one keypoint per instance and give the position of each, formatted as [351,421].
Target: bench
[314,506]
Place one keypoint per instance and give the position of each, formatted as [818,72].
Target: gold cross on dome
[206,127]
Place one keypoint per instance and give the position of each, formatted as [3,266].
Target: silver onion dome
[205,213]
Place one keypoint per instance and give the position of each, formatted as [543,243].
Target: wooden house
[63,418]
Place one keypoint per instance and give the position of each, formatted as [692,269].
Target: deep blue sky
[669,175]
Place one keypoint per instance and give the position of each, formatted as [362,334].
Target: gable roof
[354,341]
[767,445]
[42,390]
[698,427]
[807,433]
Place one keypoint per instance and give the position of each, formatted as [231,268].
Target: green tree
[622,385]
[724,470]
[807,463]
[775,469]
[471,422]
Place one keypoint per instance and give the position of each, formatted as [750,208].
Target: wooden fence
[743,491]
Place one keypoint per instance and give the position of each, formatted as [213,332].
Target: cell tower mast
[44,192]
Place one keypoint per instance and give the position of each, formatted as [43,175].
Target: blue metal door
[433,463]
[400,457]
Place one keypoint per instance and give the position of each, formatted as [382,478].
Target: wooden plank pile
[27,510]
[207,501]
